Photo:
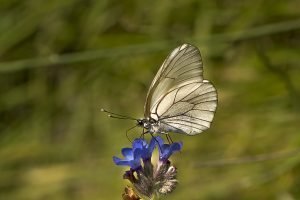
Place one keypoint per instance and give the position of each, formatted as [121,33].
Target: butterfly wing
[184,64]
[178,97]
[187,109]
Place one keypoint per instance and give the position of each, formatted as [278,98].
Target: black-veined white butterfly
[179,100]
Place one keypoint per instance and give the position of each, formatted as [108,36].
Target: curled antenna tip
[102,110]
[109,115]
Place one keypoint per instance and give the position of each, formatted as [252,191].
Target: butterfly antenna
[116,116]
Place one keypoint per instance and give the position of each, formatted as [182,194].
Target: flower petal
[119,161]
[176,146]
[152,144]
[137,153]
[135,164]
[165,151]
[127,153]
[159,140]
[137,144]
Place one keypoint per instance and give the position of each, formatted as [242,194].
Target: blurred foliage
[63,60]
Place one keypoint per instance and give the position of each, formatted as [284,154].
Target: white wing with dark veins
[178,97]
[187,109]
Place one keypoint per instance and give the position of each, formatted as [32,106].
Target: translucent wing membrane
[183,65]
[178,98]
[187,109]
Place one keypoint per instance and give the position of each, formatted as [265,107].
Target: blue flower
[142,150]
[132,158]
[166,150]
[147,149]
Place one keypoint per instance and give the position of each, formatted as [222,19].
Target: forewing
[187,109]
[182,66]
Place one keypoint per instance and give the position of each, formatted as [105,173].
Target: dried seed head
[166,180]
[161,182]
[129,194]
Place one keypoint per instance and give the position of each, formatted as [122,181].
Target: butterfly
[179,100]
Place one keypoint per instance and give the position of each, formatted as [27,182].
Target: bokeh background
[62,60]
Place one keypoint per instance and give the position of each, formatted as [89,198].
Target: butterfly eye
[140,122]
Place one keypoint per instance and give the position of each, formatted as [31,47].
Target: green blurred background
[62,60]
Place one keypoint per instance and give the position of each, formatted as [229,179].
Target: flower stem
[155,197]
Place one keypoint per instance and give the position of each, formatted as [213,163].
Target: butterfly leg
[169,139]
[160,149]
[143,134]
[127,131]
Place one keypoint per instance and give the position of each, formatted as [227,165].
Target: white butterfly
[179,99]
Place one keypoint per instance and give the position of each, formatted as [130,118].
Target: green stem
[155,197]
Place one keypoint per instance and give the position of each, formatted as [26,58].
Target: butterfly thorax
[150,124]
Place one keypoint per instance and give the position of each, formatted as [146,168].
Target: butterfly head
[140,122]
[147,123]
[143,123]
